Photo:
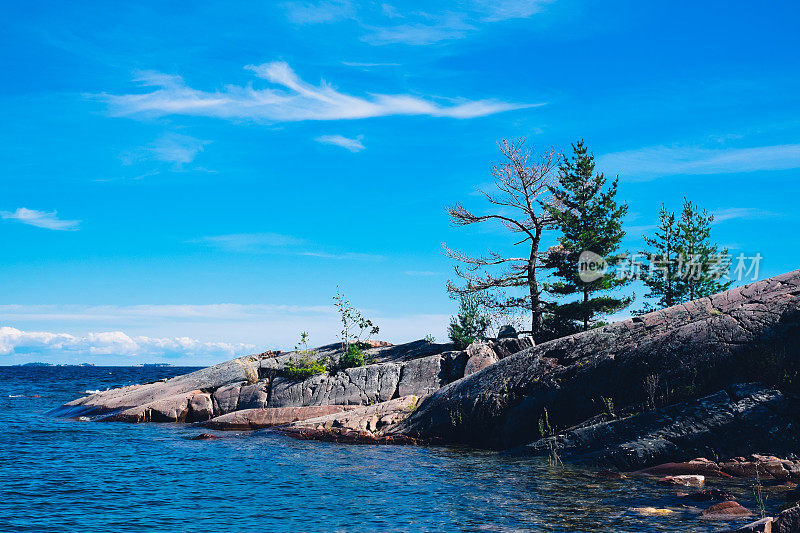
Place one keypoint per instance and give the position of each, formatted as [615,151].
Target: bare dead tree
[522,189]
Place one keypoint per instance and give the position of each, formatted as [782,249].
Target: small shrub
[352,357]
[430,339]
[303,368]
[306,365]
[356,330]
[413,405]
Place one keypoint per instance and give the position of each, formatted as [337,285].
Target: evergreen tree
[661,274]
[470,324]
[683,262]
[589,218]
[700,264]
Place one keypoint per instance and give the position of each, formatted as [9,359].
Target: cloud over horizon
[294,100]
[41,219]
[148,331]
[15,341]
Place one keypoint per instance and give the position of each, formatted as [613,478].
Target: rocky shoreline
[705,389]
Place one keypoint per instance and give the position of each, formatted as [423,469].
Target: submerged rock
[652,511]
[685,480]
[726,510]
[205,436]
[609,474]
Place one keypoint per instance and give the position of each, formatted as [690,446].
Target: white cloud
[369,65]
[319,12]
[445,27]
[354,145]
[450,20]
[657,161]
[297,100]
[258,243]
[15,341]
[41,219]
[249,242]
[741,213]
[497,10]
[347,255]
[208,333]
[176,148]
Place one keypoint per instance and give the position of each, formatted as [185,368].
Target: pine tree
[470,324]
[589,218]
[700,264]
[661,273]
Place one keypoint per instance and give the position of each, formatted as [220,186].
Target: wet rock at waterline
[249,419]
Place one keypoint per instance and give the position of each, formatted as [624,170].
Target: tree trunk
[533,286]
[585,308]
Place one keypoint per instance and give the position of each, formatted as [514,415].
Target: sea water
[83,476]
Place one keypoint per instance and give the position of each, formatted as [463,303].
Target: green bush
[352,358]
[303,368]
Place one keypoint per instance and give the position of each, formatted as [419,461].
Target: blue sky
[185,183]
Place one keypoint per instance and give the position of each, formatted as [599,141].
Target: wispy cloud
[276,243]
[369,65]
[432,29]
[176,148]
[41,219]
[15,341]
[742,213]
[297,100]
[498,10]
[249,242]
[653,162]
[423,273]
[354,145]
[347,255]
[386,24]
[319,12]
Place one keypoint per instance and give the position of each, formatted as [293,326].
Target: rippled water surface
[68,475]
